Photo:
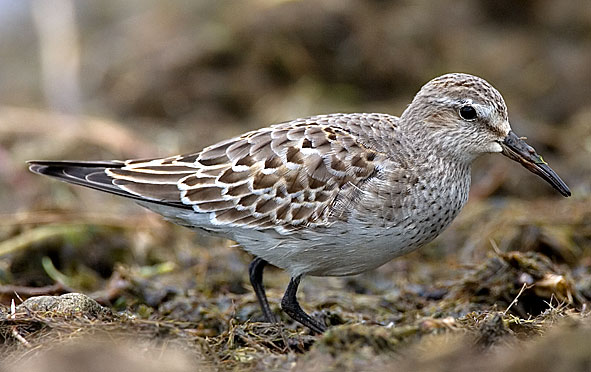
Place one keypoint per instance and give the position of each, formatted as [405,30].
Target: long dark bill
[515,148]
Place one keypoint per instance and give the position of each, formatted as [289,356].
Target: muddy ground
[505,288]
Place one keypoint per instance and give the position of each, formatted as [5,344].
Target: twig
[495,247]
[12,309]
[19,337]
[523,288]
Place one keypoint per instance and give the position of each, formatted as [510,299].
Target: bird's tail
[95,175]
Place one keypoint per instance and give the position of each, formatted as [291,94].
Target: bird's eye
[468,112]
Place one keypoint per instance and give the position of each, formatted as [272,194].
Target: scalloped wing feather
[286,176]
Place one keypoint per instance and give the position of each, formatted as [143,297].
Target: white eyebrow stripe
[446,101]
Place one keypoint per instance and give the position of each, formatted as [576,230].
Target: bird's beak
[515,148]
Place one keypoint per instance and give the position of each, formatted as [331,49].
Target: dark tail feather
[89,174]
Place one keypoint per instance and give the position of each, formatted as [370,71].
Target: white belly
[338,250]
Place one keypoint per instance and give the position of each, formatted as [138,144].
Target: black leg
[290,305]
[255,272]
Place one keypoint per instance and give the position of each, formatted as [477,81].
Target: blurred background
[111,79]
[118,79]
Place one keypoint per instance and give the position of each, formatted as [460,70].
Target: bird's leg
[255,272]
[290,305]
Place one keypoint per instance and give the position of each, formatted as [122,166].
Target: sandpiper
[327,195]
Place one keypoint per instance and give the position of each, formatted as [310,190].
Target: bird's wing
[287,176]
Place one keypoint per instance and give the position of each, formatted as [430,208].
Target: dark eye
[468,112]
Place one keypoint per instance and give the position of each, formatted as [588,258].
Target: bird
[326,195]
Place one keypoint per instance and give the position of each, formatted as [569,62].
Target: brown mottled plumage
[332,194]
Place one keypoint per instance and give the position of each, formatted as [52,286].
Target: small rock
[67,304]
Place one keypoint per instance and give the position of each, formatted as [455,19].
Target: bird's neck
[446,146]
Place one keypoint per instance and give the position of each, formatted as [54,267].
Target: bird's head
[466,116]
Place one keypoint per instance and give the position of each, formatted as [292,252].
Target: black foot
[290,305]
[255,272]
